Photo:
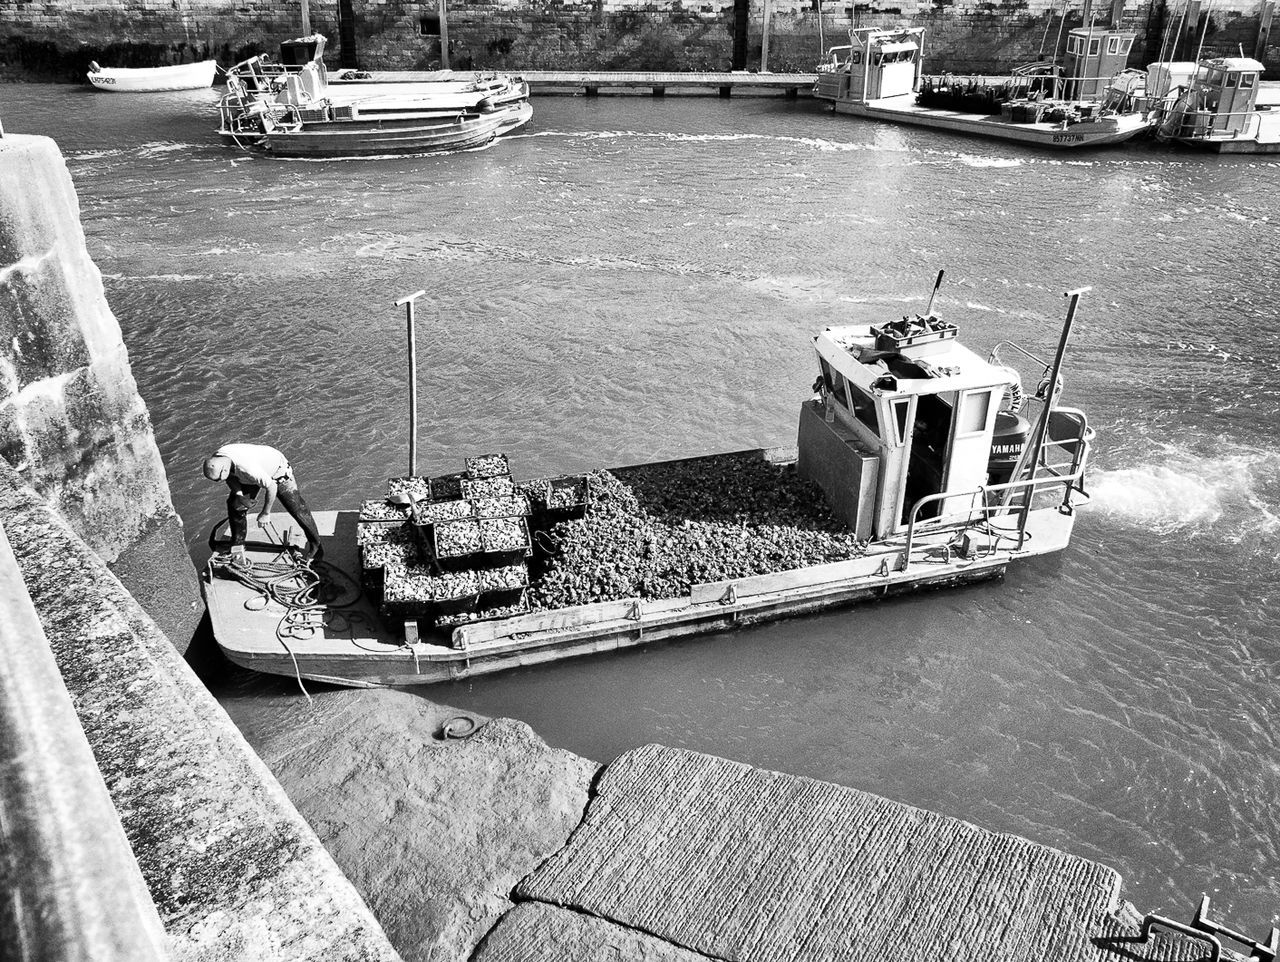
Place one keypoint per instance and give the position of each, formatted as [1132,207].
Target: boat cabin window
[1126,45]
[1215,78]
[834,381]
[1246,80]
[1113,45]
[1094,46]
[1073,45]
[973,413]
[900,411]
[864,408]
[1231,80]
[856,57]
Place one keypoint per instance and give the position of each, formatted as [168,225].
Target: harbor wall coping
[72,422]
[70,887]
[233,869]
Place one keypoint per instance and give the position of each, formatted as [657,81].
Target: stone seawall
[57,42]
[72,423]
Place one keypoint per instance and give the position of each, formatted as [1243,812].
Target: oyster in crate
[454,539]
[536,490]
[484,614]
[447,487]
[451,585]
[488,466]
[377,509]
[382,555]
[417,488]
[503,577]
[571,491]
[383,532]
[504,534]
[474,488]
[439,512]
[512,506]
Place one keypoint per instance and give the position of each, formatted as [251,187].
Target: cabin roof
[1100,32]
[1234,64]
[956,367]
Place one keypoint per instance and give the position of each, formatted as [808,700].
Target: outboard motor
[1007,442]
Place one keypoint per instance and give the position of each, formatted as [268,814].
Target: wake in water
[1234,495]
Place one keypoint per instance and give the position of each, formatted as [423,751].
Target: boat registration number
[1068,138]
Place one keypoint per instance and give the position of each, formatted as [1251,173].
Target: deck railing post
[70,887]
[413,380]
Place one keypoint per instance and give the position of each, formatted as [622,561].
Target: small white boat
[138,80]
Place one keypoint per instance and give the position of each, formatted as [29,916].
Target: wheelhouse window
[1113,45]
[901,410]
[1094,46]
[974,408]
[864,408]
[1246,80]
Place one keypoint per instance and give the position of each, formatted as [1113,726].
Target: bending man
[248,468]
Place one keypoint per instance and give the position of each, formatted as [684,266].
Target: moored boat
[132,80]
[878,75]
[1218,110]
[292,109]
[918,464]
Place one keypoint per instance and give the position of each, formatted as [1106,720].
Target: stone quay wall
[56,42]
[71,421]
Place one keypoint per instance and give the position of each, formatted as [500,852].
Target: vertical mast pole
[306,18]
[413,380]
[444,36]
[1036,449]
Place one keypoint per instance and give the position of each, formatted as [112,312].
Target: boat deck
[357,647]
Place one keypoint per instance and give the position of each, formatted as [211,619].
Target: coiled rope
[316,596]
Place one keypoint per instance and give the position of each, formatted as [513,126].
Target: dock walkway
[593,83]
[685,857]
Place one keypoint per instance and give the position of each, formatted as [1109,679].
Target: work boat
[1218,110]
[919,464]
[878,75]
[291,109]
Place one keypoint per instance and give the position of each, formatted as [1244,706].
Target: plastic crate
[504,535]
[927,332]
[488,466]
[377,509]
[419,488]
[447,487]
[474,488]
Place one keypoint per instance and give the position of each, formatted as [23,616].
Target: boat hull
[361,649]
[383,137]
[124,80]
[1102,133]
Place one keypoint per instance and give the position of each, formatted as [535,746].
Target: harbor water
[630,279]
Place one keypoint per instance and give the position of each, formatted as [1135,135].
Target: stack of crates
[460,552]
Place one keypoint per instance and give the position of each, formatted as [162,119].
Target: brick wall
[47,41]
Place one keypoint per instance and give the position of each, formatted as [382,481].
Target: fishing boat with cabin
[918,464]
[878,75]
[1218,110]
[290,108]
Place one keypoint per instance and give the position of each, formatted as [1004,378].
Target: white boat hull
[126,80]
[1095,133]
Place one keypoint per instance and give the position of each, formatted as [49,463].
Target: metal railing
[980,501]
[70,887]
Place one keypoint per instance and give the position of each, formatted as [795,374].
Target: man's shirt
[257,464]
